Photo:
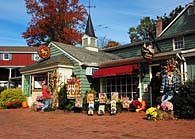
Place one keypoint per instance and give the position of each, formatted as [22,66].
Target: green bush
[2,88]
[62,97]
[184,101]
[11,97]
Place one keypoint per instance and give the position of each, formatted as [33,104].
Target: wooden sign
[114,96]
[113,108]
[102,98]
[101,110]
[147,51]
[43,51]
[79,102]
[125,102]
[73,88]
[90,97]
[91,108]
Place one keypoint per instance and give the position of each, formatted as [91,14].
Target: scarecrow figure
[170,80]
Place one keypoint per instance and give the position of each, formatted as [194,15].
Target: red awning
[113,71]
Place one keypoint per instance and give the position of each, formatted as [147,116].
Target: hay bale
[165,115]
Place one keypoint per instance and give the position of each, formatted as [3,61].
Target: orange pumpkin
[143,105]
[24,104]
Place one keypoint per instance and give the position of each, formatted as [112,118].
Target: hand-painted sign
[43,51]
[73,88]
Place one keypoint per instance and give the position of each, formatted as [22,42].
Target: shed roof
[17,49]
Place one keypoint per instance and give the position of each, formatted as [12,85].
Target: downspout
[139,86]
[185,69]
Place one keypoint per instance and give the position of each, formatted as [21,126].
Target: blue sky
[111,18]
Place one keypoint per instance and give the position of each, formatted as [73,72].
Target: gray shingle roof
[86,56]
[52,61]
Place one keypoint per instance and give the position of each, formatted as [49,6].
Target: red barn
[12,58]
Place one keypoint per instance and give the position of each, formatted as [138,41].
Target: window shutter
[10,56]
[1,56]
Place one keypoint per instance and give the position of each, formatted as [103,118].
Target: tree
[55,20]
[167,19]
[146,24]
[112,44]
[103,41]
[141,31]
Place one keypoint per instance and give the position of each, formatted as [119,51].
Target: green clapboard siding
[55,51]
[27,85]
[80,73]
[190,68]
[77,70]
[184,23]
[189,41]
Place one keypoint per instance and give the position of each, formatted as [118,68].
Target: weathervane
[90,6]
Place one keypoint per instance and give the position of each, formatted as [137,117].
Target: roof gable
[182,23]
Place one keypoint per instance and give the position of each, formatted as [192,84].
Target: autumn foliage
[111,44]
[55,20]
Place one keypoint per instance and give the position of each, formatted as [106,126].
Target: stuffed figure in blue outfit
[170,80]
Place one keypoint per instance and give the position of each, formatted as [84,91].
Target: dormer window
[178,43]
[191,11]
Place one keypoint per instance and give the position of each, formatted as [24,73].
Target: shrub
[2,88]
[184,101]
[11,97]
[62,97]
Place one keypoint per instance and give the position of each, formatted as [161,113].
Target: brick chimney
[158,27]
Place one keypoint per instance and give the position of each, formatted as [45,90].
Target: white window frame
[121,85]
[178,43]
[6,56]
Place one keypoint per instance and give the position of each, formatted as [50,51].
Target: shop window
[126,86]
[37,81]
[178,43]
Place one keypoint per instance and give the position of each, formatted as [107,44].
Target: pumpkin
[143,105]
[24,104]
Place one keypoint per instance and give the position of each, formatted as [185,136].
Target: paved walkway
[25,124]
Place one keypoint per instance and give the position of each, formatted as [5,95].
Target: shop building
[177,40]
[68,61]
[121,69]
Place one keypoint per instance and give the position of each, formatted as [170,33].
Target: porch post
[9,78]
